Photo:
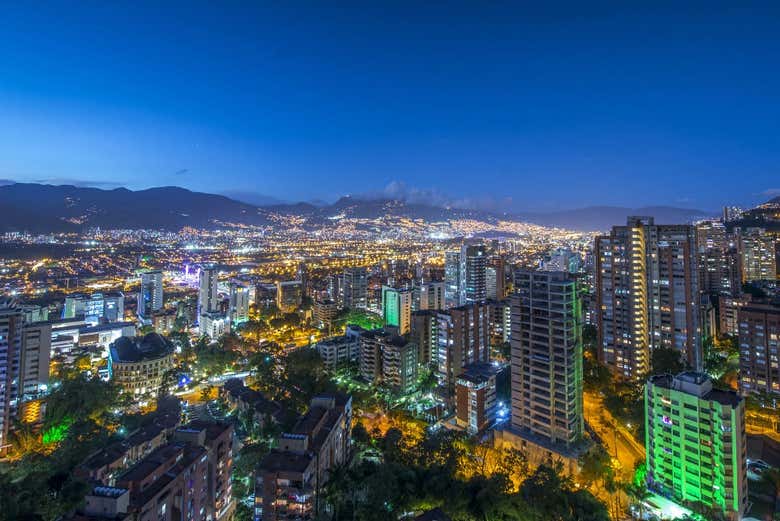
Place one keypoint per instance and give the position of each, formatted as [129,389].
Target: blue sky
[502,104]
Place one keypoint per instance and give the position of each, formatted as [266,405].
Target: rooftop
[134,349]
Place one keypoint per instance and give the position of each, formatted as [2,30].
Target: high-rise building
[546,360]
[473,264]
[10,350]
[399,364]
[95,307]
[432,296]
[34,361]
[475,397]
[452,279]
[291,477]
[719,265]
[397,308]
[114,306]
[495,278]
[425,334]
[759,348]
[462,339]
[499,321]
[208,295]
[217,439]
[289,295]
[695,442]
[150,296]
[647,295]
[728,311]
[389,359]
[732,213]
[354,288]
[239,302]
[758,255]
[563,259]
[214,325]
[324,312]
[339,350]
[465,273]
[336,289]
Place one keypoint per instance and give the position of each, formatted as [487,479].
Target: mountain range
[55,208]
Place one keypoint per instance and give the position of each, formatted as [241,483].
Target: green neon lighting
[56,433]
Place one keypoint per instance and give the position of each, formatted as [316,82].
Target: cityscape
[252,340]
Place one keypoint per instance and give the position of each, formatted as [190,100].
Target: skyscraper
[465,273]
[289,295]
[473,264]
[719,265]
[355,288]
[150,296]
[425,333]
[452,279]
[33,379]
[10,350]
[462,339]
[397,308]
[758,255]
[759,348]
[695,442]
[432,296]
[208,296]
[546,360]
[239,302]
[647,295]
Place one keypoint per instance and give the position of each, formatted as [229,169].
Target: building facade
[137,365]
[546,359]
[475,397]
[291,477]
[695,442]
[759,348]
[208,293]
[397,308]
[647,295]
[150,295]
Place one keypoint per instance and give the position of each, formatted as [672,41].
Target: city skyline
[548,108]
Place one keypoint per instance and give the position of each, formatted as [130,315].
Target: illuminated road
[616,438]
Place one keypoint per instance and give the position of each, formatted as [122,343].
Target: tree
[639,494]
[771,477]
[254,329]
[360,435]
[666,360]
[596,466]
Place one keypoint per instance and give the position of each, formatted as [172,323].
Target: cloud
[401,191]
[182,171]
[4,182]
[771,192]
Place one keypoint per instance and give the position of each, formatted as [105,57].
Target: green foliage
[596,465]
[79,418]
[443,470]
[666,360]
[363,319]
[214,358]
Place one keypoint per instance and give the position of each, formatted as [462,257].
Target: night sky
[506,106]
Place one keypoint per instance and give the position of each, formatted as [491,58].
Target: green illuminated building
[695,440]
[397,308]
